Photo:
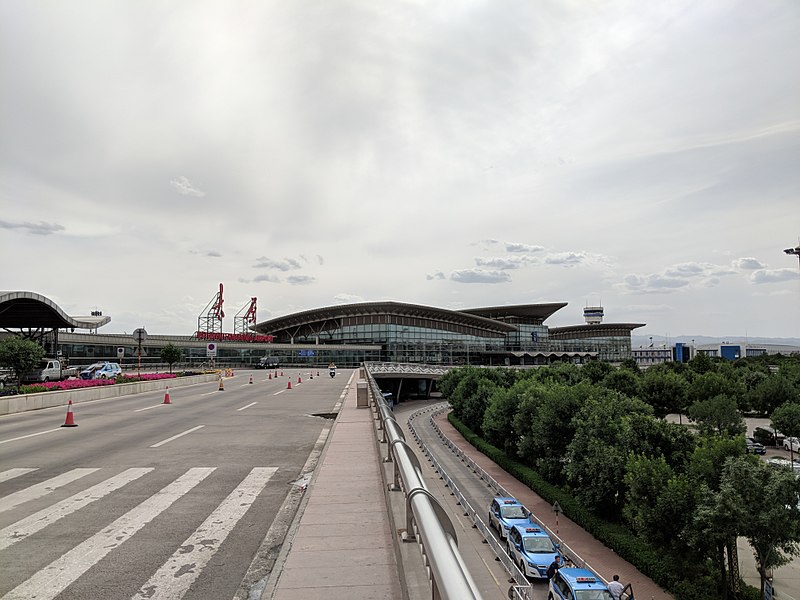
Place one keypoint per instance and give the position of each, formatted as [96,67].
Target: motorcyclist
[332,369]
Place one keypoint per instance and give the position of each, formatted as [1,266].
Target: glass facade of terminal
[434,337]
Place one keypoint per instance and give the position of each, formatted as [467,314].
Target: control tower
[593,315]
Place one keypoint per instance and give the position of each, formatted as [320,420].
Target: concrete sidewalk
[342,545]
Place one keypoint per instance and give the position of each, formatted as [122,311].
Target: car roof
[507,500]
[530,530]
[581,579]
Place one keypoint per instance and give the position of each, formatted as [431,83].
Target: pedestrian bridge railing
[426,521]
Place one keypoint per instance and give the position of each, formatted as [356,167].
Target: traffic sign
[211,350]
[120,352]
[140,335]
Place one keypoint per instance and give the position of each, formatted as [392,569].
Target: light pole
[795,251]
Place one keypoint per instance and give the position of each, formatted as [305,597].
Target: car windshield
[536,545]
[593,595]
[513,512]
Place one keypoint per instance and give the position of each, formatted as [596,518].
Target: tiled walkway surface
[343,546]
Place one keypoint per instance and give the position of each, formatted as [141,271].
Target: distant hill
[702,340]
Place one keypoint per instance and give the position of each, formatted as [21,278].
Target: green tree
[711,384]
[786,419]
[665,391]
[545,425]
[20,356]
[498,420]
[595,370]
[701,363]
[171,354]
[771,393]
[597,456]
[764,503]
[717,416]
[624,381]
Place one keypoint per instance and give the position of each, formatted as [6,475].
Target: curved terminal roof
[20,310]
[329,313]
[523,311]
[598,330]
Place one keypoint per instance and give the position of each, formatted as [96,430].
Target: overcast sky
[457,154]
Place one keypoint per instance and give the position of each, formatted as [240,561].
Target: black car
[769,436]
[268,362]
[753,447]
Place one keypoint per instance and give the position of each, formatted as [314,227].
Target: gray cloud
[185,187]
[437,275]
[773,275]
[347,299]
[479,276]
[566,258]
[653,283]
[514,262]
[287,264]
[213,254]
[267,277]
[516,247]
[300,279]
[40,228]
[748,263]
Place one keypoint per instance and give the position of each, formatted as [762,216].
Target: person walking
[615,588]
[554,567]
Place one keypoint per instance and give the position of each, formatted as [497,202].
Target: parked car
[88,372]
[791,443]
[532,549]
[753,447]
[108,371]
[769,436]
[571,583]
[505,512]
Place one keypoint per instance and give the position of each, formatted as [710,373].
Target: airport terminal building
[347,334]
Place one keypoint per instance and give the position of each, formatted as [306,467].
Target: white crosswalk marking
[30,525]
[55,577]
[42,489]
[173,579]
[11,473]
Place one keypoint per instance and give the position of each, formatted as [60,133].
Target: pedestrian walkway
[602,560]
[342,545]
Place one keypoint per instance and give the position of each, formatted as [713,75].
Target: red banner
[234,337]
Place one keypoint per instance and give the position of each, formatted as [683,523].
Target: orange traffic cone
[288,387]
[251,379]
[270,375]
[317,373]
[70,422]
[166,396]
[311,376]
[221,386]
[299,379]
[281,373]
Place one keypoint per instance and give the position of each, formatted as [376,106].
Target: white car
[791,443]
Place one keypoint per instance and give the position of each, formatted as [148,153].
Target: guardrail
[426,521]
[521,587]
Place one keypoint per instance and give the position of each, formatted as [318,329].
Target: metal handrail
[427,521]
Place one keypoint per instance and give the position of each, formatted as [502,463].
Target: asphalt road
[151,500]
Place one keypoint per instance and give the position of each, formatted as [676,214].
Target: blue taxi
[505,512]
[532,549]
[577,584]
